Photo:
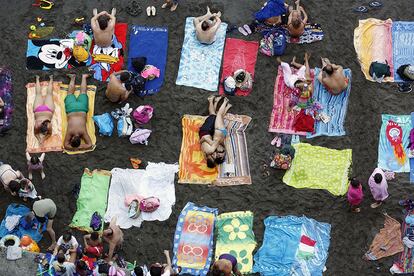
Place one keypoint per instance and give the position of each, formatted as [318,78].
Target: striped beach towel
[402,45]
[193,239]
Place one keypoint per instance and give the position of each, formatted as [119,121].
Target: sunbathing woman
[332,77]
[213,132]
[43,108]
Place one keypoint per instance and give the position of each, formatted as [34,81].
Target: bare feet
[52,247]
[211,98]
[307,56]
[164,5]
[356,210]
[279,60]
[376,205]
[42,175]
[174,7]
[293,60]
[37,77]
[86,75]
[51,77]
[30,176]
[71,76]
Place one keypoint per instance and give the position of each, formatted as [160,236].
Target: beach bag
[378,70]
[124,125]
[96,222]
[282,158]
[143,114]
[149,204]
[140,136]
[104,123]
[406,72]
[273,43]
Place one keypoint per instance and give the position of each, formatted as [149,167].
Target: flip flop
[361,9]
[148,11]
[274,140]
[243,31]
[247,28]
[153,10]
[404,88]
[375,4]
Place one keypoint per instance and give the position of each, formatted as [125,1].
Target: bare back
[115,90]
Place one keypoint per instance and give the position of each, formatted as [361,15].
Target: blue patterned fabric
[278,254]
[402,45]
[200,63]
[412,159]
[334,106]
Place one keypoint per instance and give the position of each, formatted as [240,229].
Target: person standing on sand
[114,237]
[355,195]
[42,209]
[103,27]
[379,187]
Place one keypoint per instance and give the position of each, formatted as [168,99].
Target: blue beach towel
[388,157]
[152,43]
[272,8]
[335,106]
[402,45]
[280,251]
[200,63]
[20,231]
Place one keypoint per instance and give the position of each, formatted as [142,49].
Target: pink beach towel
[238,54]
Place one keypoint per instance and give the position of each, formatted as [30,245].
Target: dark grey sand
[351,233]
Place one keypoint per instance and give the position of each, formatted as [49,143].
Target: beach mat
[152,43]
[317,167]
[283,250]
[235,236]
[21,210]
[402,45]
[156,180]
[373,42]
[90,125]
[405,262]
[312,33]
[334,106]
[393,143]
[54,142]
[106,61]
[200,63]
[6,94]
[238,54]
[193,167]
[193,239]
[412,159]
[283,116]
[92,198]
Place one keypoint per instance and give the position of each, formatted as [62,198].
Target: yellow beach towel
[54,142]
[90,126]
[373,42]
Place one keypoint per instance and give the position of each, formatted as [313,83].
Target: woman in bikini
[213,132]
[43,108]
[7,175]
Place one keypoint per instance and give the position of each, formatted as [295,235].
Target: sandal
[247,28]
[361,9]
[404,88]
[134,8]
[243,31]
[375,4]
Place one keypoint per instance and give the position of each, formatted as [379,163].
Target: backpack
[378,70]
[140,136]
[149,204]
[143,114]
[273,43]
[96,221]
[406,72]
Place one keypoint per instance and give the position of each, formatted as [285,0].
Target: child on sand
[24,188]
[172,4]
[355,195]
[35,163]
[68,245]
[379,187]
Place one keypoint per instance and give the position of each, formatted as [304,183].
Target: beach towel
[19,230]
[193,167]
[402,45]
[54,142]
[193,239]
[157,180]
[334,106]
[90,125]
[373,42]
[405,262]
[317,167]
[6,94]
[312,33]
[152,43]
[238,54]
[387,242]
[283,116]
[200,63]
[235,236]
[393,142]
[106,61]
[412,159]
[280,253]
[92,198]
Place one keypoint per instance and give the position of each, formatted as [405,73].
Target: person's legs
[49,96]
[287,71]
[307,72]
[51,232]
[71,88]
[84,84]
[174,6]
[219,123]
[72,257]
[38,98]
[211,108]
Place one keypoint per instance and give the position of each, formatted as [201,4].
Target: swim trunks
[77,104]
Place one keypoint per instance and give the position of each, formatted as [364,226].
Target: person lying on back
[103,27]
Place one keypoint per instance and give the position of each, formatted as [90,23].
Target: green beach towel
[235,236]
[93,197]
[317,167]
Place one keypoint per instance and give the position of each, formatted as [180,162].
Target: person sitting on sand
[67,244]
[62,267]
[122,83]
[93,245]
[162,270]
[297,20]
[226,265]
[42,209]
[206,26]
[114,237]
[172,4]
[35,163]
[76,110]
[213,132]
[23,188]
[103,27]
[8,174]
[301,80]
[43,109]
[332,77]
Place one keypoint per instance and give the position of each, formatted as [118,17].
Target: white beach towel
[156,180]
